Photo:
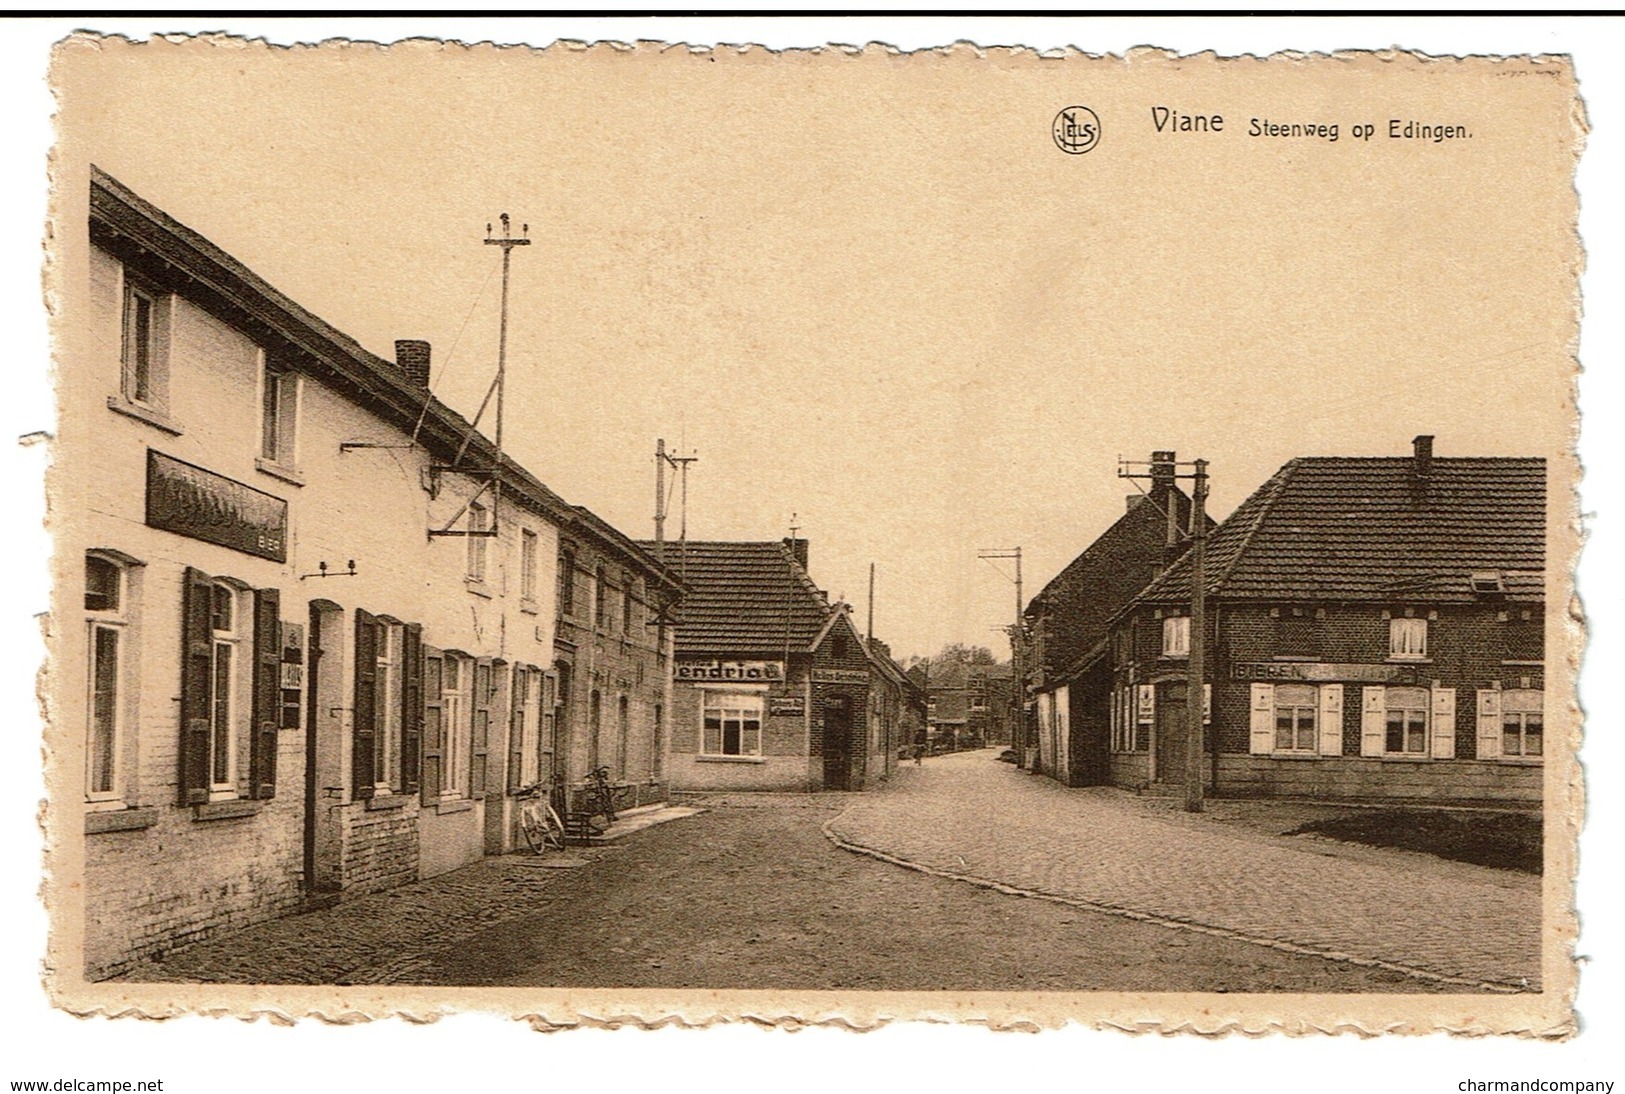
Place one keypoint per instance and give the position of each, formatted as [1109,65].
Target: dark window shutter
[520,688]
[411,704]
[197,657]
[481,744]
[267,692]
[434,725]
[363,771]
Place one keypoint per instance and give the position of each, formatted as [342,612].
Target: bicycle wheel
[534,827]
[552,828]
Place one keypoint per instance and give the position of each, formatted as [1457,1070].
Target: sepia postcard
[640,533]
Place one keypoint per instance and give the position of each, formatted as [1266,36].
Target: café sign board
[189,501]
[729,672]
[840,676]
[1323,672]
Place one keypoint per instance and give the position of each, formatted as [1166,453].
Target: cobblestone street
[969,816]
[753,894]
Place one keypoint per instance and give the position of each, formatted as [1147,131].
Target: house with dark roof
[1375,631]
[774,688]
[1068,620]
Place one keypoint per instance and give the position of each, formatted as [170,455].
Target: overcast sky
[880,298]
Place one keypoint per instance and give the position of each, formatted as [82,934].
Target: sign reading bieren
[190,501]
[1321,671]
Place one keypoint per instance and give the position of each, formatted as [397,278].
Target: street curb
[845,844]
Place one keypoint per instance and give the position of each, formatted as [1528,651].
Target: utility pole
[662,460]
[507,243]
[497,388]
[1018,728]
[871,634]
[1195,730]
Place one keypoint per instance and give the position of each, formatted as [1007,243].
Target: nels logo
[1076,130]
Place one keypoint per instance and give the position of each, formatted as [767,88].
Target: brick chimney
[1421,466]
[1162,472]
[798,548]
[412,355]
[1162,490]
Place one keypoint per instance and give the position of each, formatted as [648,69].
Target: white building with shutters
[274,678]
[1376,630]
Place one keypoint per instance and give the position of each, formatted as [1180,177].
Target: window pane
[270,416]
[713,733]
[138,346]
[221,609]
[1416,734]
[1396,731]
[1283,729]
[1532,735]
[221,768]
[103,708]
[101,585]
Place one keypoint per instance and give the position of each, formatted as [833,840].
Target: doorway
[837,743]
[1172,728]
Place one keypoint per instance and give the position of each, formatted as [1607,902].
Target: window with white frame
[1176,636]
[387,706]
[733,723]
[1407,638]
[1406,722]
[224,667]
[1295,718]
[456,710]
[279,414]
[105,607]
[143,345]
[479,525]
[527,564]
[1522,723]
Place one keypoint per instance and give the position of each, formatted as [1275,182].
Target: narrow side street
[969,816]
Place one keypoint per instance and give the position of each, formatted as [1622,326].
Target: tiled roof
[744,599]
[1358,528]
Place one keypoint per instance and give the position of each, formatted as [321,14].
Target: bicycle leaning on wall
[602,796]
[538,819]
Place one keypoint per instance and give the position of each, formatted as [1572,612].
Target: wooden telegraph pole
[1195,728]
[1018,728]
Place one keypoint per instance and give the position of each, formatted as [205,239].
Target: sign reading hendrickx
[1322,671]
[190,501]
[733,672]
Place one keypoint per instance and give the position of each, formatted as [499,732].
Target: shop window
[595,727]
[657,745]
[527,565]
[1522,724]
[223,700]
[380,714]
[1295,725]
[1406,720]
[1176,636]
[623,738]
[230,688]
[733,724]
[456,712]
[279,414]
[106,607]
[1407,639]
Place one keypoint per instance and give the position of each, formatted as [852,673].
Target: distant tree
[958,653]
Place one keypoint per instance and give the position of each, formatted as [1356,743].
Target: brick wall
[380,845]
